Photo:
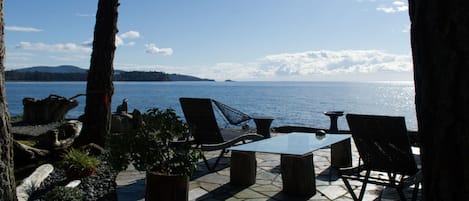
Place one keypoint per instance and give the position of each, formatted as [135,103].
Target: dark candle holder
[341,152]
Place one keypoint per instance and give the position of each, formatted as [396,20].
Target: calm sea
[290,103]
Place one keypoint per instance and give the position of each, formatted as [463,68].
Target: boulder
[123,122]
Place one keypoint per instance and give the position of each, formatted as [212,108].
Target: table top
[294,143]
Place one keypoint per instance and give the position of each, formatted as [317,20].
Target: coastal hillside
[74,73]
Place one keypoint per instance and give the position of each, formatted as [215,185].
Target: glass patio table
[296,161]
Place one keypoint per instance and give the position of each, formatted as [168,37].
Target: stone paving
[216,186]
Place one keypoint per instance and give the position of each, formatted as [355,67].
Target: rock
[122,122]
[33,182]
[73,184]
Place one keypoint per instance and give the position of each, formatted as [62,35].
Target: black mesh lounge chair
[384,147]
[201,119]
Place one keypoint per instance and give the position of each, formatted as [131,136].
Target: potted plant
[161,147]
[78,164]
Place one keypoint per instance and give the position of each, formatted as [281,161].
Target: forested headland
[72,73]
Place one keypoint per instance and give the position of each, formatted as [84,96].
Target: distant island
[74,73]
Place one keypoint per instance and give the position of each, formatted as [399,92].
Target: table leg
[298,175]
[341,154]
[243,168]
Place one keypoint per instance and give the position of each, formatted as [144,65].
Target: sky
[242,40]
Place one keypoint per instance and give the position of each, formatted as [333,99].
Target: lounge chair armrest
[226,144]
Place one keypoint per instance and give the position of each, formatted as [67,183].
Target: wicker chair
[208,136]
[383,145]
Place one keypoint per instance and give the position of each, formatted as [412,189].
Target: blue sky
[252,40]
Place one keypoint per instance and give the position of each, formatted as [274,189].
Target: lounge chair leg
[401,194]
[415,191]
[349,188]
[211,168]
[218,159]
[362,191]
[206,163]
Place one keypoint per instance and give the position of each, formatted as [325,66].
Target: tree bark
[100,88]
[7,178]
[440,48]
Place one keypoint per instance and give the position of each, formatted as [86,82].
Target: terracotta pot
[161,187]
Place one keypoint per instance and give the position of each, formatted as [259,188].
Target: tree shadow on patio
[223,192]
[202,169]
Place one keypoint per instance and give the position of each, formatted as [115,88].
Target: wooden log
[51,109]
[243,168]
[33,182]
[61,137]
[298,175]
[25,154]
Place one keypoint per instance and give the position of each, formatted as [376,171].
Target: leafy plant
[160,145]
[79,164]
[61,193]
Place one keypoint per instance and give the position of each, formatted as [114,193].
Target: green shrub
[17,118]
[161,145]
[62,193]
[78,160]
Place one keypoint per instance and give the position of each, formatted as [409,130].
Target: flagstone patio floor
[207,186]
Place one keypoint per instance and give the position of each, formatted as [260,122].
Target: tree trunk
[7,178]
[100,88]
[440,47]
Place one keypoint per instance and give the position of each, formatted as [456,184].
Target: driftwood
[51,109]
[33,182]
[25,154]
[61,137]
[56,138]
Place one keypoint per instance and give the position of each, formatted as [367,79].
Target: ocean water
[290,103]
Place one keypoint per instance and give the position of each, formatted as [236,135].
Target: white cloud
[85,15]
[70,58]
[153,49]
[397,6]
[349,65]
[360,1]
[130,34]
[406,29]
[315,65]
[22,29]
[127,35]
[59,47]
[87,43]
[398,3]
[330,62]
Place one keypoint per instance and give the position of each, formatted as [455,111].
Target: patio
[216,186]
